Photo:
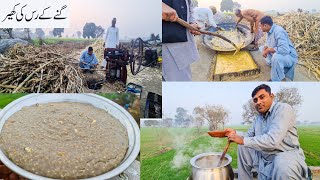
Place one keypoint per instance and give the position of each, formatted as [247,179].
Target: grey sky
[233,95]
[135,18]
[278,5]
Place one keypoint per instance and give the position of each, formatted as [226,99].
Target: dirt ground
[150,79]
[201,69]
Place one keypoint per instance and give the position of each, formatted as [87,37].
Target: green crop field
[57,40]
[7,98]
[120,98]
[166,152]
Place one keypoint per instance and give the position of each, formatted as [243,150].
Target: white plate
[99,102]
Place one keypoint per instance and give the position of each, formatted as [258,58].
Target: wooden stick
[21,84]
[187,25]
[40,81]
[224,154]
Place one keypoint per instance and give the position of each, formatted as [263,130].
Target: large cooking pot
[99,102]
[204,167]
[243,29]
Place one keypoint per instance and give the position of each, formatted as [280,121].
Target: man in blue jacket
[279,51]
[88,60]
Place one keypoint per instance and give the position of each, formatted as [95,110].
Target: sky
[135,18]
[232,95]
[278,5]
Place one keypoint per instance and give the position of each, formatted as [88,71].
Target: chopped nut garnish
[61,153]
[28,149]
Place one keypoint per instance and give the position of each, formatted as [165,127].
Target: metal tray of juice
[241,36]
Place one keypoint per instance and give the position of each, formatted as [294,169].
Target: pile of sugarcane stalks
[45,69]
[313,67]
[98,49]
[303,29]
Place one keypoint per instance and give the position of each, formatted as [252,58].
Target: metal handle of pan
[123,176]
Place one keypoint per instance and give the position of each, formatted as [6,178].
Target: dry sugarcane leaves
[303,31]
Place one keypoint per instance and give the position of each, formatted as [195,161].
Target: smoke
[186,148]
[213,146]
[180,160]
[180,140]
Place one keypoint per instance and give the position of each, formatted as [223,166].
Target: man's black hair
[90,49]
[262,86]
[237,11]
[267,20]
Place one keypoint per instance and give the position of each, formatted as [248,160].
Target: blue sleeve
[95,60]
[282,47]
[251,130]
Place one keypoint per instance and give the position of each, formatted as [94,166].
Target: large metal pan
[213,34]
[245,30]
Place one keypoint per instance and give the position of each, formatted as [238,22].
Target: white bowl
[99,102]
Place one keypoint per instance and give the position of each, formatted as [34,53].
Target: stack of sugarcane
[39,69]
[98,49]
[303,31]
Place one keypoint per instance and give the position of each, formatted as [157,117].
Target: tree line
[90,30]
[216,116]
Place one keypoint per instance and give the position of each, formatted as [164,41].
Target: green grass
[57,40]
[159,167]
[111,96]
[7,98]
[159,147]
[309,138]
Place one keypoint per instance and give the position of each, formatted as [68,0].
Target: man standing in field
[279,51]
[111,39]
[254,17]
[271,145]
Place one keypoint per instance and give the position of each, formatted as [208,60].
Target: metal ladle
[187,25]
